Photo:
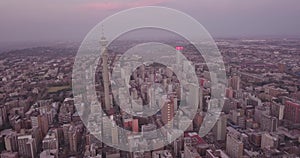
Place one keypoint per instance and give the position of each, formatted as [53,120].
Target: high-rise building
[50,142]
[37,135]
[238,117]
[259,111]
[105,72]
[65,133]
[40,121]
[167,113]
[115,134]
[107,127]
[292,111]
[268,123]
[35,121]
[219,129]
[234,146]
[235,82]
[277,110]
[73,139]
[268,141]
[26,146]
[11,142]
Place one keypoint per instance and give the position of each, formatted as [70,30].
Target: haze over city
[60,20]
[170,89]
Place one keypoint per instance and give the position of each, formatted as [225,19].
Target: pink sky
[34,20]
[112,5]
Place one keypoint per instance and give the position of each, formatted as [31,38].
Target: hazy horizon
[58,20]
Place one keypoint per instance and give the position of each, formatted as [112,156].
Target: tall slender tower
[105,74]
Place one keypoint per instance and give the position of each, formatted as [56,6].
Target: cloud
[113,5]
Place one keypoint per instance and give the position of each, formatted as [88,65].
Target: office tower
[268,123]
[105,73]
[167,113]
[108,124]
[44,124]
[26,146]
[73,139]
[259,111]
[234,146]
[292,111]
[235,82]
[268,141]
[241,121]
[35,121]
[37,136]
[66,134]
[114,134]
[40,121]
[219,129]
[11,142]
[238,117]
[50,142]
[277,110]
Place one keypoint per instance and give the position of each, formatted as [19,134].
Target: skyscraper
[167,113]
[26,146]
[234,146]
[11,142]
[235,82]
[114,134]
[105,74]
[292,112]
[219,129]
